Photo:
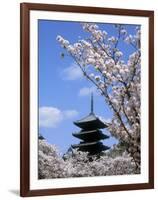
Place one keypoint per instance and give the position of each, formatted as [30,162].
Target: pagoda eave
[95,143]
[91,135]
[85,144]
[90,124]
[92,146]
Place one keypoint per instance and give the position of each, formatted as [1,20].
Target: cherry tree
[77,163]
[50,163]
[82,166]
[116,78]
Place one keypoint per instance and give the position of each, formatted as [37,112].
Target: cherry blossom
[118,80]
[78,164]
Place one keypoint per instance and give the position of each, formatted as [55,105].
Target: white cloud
[70,113]
[86,91]
[72,73]
[51,117]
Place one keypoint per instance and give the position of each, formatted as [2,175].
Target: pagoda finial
[92,102]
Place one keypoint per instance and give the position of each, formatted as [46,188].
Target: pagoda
[90,133]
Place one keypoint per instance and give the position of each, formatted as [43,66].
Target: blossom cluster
[50,163]
[117,79]
[79,164]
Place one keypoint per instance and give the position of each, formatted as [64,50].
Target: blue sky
[64,94]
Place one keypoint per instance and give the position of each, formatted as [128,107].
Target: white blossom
[118,54]
[124,32]
[79,164]
[92,75]
[112,39]
[128,39]
[97,78]
[117,80]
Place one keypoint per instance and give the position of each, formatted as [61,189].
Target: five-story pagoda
[90,133]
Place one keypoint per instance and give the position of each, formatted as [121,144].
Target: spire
[92,102]
[90,133]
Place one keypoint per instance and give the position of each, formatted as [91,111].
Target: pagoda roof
[40,137]
[90,121]
[85,144]
[91,146]
[90,135]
